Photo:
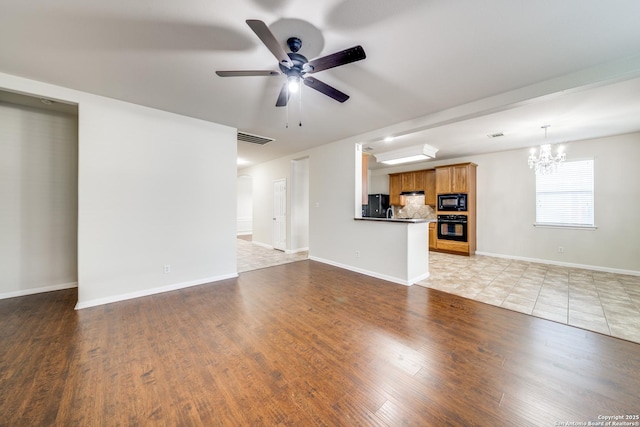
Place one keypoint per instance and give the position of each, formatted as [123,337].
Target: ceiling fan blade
[264,33]
[247,73]
[283,98]
[330,91]
[336,59]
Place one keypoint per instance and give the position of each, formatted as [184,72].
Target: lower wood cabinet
[433,238]
[452,246]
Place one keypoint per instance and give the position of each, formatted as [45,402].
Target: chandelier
[545,162]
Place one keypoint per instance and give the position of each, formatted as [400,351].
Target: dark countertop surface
[399,220]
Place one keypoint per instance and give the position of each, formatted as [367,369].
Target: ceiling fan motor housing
[298,68]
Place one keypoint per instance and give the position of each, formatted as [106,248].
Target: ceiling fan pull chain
[300,106]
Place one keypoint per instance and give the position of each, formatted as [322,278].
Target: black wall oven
[452,227]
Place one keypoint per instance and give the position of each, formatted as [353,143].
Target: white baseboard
[295,251]
[424,276]
[371,273]
[263,245]
[286,251]
[153,291]
[563,264]
[24,292]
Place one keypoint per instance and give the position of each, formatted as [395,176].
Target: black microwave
[452,202]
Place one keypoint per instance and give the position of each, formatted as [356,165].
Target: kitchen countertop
[400,220]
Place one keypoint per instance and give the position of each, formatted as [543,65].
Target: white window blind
[565,197]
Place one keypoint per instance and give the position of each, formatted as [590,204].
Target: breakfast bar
[399,249]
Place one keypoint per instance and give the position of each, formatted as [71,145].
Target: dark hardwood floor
[304,344]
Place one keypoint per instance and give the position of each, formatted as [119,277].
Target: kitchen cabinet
[430,187]
[453,247]
[413,181]
[459,178]
[433,238]
[456,178]
[395,188]
[423,180]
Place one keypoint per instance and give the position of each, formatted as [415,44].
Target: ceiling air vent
[254,139]
[495,135]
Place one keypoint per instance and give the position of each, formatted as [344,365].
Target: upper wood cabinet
[413,181]
[430,187]
[455,178]
[424,180]
[395,188]
[408,181]
[419,178]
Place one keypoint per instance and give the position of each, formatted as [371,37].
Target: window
[565,197]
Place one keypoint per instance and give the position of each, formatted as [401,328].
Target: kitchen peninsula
[397,248]
[401,253]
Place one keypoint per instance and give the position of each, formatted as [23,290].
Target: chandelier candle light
[546,162]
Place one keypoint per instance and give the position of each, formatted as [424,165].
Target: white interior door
[280,214]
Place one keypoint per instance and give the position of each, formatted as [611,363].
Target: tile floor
[597,301]
[602,302]
[254,257]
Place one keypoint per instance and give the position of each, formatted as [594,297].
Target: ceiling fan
[295,66]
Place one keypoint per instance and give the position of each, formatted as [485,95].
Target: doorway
[39,219]
[256,248]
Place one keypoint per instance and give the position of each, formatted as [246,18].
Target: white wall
[379,183]
[151,185]
[39,194]
[505,227]
[506,206]
[377,249]
[299,231]
[245,205]
[334,235]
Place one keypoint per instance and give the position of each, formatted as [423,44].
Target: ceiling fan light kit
[293,84]
[407,154]
[295,66]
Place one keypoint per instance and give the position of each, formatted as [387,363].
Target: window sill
[564,226]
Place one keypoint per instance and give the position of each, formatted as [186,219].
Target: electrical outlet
[357,254]
[560,249]
[167,268]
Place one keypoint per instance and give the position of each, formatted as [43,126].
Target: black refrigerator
[378,205]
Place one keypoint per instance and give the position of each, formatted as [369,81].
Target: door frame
[279,215]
